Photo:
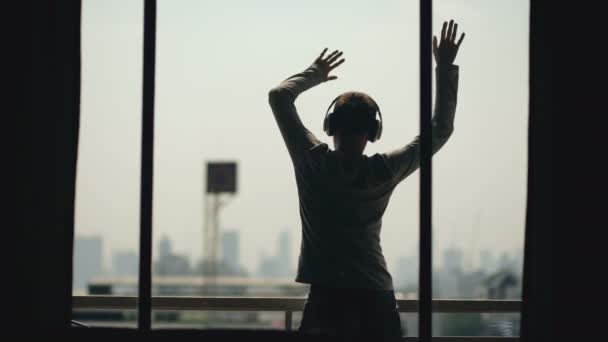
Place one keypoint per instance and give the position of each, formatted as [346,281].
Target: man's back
[341,208]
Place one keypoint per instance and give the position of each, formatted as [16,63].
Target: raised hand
[445,52]
[327,64]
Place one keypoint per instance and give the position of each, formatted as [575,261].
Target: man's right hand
[445,52]
[328,63]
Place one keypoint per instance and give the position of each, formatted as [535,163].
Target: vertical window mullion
[425,244]
[144,302]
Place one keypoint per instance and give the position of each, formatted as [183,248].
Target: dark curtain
[48,195]
[537,282]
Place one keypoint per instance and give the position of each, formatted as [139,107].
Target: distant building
[284,254]
[164,247]
[204,268]
[230,249]
[125,263]
[446,284]
[197,285]
[407,271]
[518,262]
[269,267]
[170,264]
[87,260]
[278,266]
[452,260]
[470,285]
[487,264]
[506,262]
[176,265]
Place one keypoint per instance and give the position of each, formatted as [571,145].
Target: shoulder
[378,160]
[379,167]
[314,157]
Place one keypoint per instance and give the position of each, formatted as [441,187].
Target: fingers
[449,35]
[331,55]
[460,40]
[323,53]
[331,67]
[334,58]
[435,43]
[329,63]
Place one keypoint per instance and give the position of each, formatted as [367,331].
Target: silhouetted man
[343,194]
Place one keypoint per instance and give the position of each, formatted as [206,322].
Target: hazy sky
[216,61]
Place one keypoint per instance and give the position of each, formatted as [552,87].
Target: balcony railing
[291,305]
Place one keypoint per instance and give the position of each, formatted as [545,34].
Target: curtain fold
[538,249]
[49,193]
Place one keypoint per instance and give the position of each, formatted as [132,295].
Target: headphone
[329,123]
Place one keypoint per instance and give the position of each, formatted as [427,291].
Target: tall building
[87,260]
[470,285]
[518,262]
[168,263]
[269,267]
[230,249]
[407,271]
[284,253]
[487,263]
[279,265]
[505,262]
[446,283]
[164,247]
[125,263]
[453,259]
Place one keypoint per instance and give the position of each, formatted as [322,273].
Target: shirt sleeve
[296,136]
[405,160]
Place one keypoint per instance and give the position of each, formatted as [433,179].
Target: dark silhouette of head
[354,118]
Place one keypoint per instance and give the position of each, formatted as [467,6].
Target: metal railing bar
[281,304]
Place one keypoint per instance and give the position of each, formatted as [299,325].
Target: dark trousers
[352,314]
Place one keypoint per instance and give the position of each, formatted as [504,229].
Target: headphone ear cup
[379,129]
[328,124]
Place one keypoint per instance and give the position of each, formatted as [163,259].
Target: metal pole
[425,248]
[288,320]
[144,303]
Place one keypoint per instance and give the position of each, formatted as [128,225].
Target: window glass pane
[107,182]
[216,62]
[479,177]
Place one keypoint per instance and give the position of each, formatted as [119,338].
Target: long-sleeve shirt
[341,207]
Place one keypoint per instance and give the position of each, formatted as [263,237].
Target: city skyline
[451,281]
[125,262]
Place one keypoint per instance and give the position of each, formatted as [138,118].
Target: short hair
[355,111]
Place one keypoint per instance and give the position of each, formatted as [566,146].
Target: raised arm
[281,98]
[405,160]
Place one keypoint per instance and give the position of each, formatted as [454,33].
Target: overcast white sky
[216,61]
